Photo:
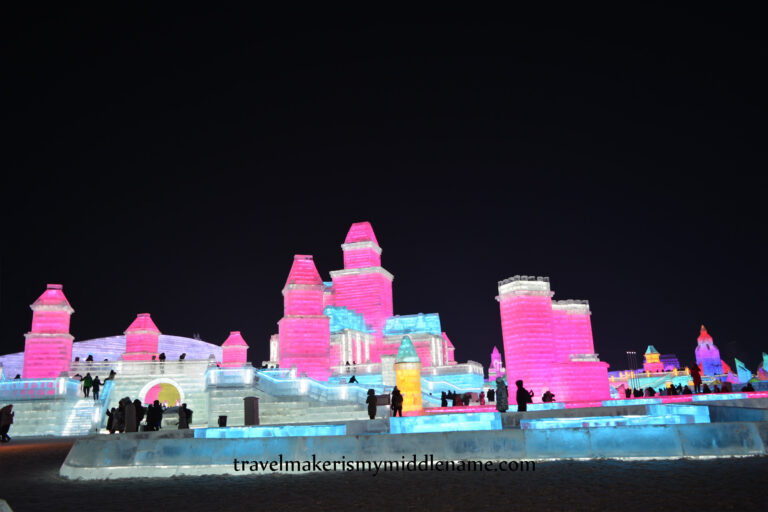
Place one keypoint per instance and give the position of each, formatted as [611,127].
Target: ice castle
[330,331]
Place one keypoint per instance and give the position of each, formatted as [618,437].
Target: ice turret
[234,350]
[141,339]
[304,331]
[48,346]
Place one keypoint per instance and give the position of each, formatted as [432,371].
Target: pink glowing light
[48,346]
[461,409]
[304,331]
[141,339]
[364,286]
[549,345]
[234,350]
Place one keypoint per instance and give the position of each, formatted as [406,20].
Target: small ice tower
[234,350]
[141,339]
[48,346]
[496,369]
[708,355]
[653,360]
[408,375]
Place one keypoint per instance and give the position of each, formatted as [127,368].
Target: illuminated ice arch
[153,390]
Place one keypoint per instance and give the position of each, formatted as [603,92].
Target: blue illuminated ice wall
[343,318]
[408,324]
[460,382]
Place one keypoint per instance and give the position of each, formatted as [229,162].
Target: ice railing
[516,278]
[35,389]
[285,383]
[468,367]
[230,377]
[177,367]
[356,369]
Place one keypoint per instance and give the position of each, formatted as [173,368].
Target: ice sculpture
[48,346]
[234,350]
[304,331]
[408,375]
[708,355]
[652,361]
[141,339]
[364,286]
[549,344]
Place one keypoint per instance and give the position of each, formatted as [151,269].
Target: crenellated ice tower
[304,331]
[48,346]
[548,344]
[364,286]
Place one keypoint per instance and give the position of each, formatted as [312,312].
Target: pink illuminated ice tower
[304,331]
[364,286]
[234,350]
[141,339]
[548,344]
[48,346]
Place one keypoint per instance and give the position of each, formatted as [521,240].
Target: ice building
[652,361]
[333,328]
[496,369]
[708,355]
[548,344]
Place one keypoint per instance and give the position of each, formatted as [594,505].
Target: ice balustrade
[179,367]
[283,382]
[36,389]
[230,377]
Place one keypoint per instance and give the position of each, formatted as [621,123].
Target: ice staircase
[277,410]
[80,419]
[53,417]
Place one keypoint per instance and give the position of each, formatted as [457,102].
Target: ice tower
[548,344]
[141,339]
[304,331]
[495,369]
[652,361]
[48,346]
[708,355]
[408,375]
[364,286]
[234,350]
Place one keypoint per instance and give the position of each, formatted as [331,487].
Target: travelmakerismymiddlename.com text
[413,463]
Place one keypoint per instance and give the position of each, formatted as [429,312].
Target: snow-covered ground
[29,481]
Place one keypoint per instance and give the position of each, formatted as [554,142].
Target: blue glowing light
[631,401]
[445,423]
[343,318]
[408,324]
[271,431]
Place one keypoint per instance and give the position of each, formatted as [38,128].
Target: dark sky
[172,162]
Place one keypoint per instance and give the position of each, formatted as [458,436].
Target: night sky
[173,162]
